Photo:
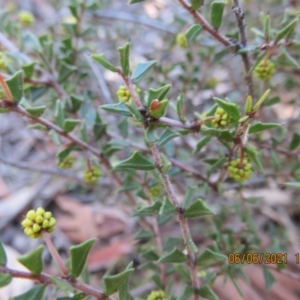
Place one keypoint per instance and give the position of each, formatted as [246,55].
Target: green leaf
[196,5]
[15,84]
[143,234]
[198,209]
[160,110]
[118,108]
[150,134]
[29,69]
[295,185]
[269,278]
[158,94]
[5,279]
[65,71]
[101,59]
[262,126]
[292,61]
[35,293]
[37,127]
[261,100]
[150,255]
[267,28]
[137,162]
[70,124]
[207,293]
[61,155]
[167,208]
[79,255]
[248,104]
[230,108]
[135,1]
[216,13]
[148,211]
[272,101]
[222,134]
[33,261]
[99,128]
[175,256]
[286,30]
[54,137]
[123,289]
[83,132]
[124,58]
[37,111]
[167,135]
[254,157]
[193,32]
[295,141]
[180,108]
[135,111]
[114,282]
[3,258]
[188,197]
[59,114]
[209,257]
[186,294]
[76,102]
[258,60]
[202,143]
[141,70]
[220,162]
[166,164]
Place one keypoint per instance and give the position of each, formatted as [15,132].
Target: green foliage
[33,261]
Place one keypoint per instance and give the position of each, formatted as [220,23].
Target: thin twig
[46,280]
[206,26]
[239,14]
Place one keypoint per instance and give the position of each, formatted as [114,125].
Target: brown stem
[46,280]
[54,253]
[239,14]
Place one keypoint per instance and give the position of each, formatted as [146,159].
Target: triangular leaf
[209,257]
[158,94]
[231,108]
[5,279]
[54,137]
[101,59]
[79,255]
[141,70]
[295,142]
[193,32]
[3,258]
[167,208]
[143,234]
[59,114]
[167,135]
[15,84]
[150,134]
[175,256]
[207,293]
[36,111]
[137,162]
[70,124]
[61,155]
[76,102]
[188,291]
[33,261]
[114,282]
[118,108]
[35,293]
[202,143]
[198,209]
[148,211]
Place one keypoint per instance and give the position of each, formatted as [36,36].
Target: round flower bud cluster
[67,163]
[240,170]
[221,119]
[91,175]
[181,40]
[36,221]
[157,295]
[155,190]
[124,94]
[265,70]
[26,17]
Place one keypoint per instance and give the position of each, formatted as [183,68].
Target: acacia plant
[175,123]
